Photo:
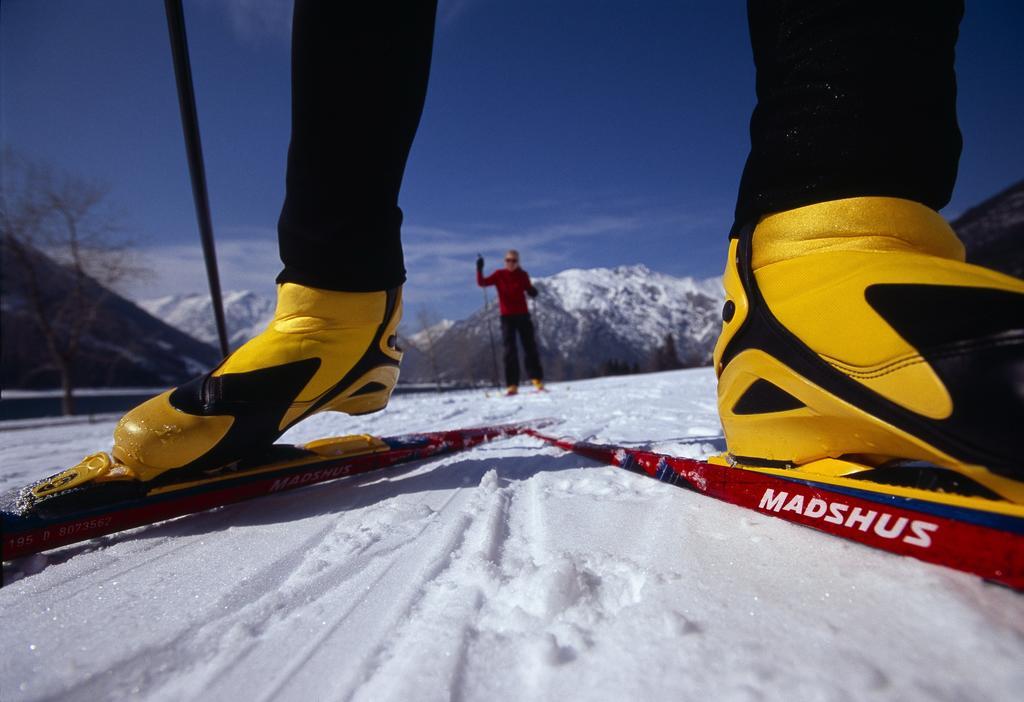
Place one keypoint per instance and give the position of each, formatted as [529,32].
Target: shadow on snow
[334,497]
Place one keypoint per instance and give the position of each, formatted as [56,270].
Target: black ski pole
[194,149]
[535,317]
[490,333]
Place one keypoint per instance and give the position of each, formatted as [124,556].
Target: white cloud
[254,21]
[449,11]
[243,264]
[440,261]
[434,241]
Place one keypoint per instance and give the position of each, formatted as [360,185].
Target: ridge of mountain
[246,314]
[124,346]
[993,231]
[585,318]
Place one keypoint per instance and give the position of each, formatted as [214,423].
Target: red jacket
[512,288]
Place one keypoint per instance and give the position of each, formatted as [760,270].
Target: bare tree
[428,332]
[50,217]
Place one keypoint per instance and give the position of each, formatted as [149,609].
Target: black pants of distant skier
[359,79]
[521,325]
[855,97]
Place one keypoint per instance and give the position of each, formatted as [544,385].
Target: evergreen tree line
[664,357]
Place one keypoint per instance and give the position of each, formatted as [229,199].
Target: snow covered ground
[510,572]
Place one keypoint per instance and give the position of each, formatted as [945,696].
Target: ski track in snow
[507,572]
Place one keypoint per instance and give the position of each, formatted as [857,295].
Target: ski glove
[480,263]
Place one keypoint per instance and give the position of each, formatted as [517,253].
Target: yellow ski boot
[854,329]
[323,351]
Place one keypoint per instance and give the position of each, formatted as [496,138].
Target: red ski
[976,535]
[106,508]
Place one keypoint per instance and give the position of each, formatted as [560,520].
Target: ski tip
[90,468]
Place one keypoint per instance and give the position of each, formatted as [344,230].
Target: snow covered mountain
[585,320]
[245,313]
[425,337]
[628,310]
[992,231]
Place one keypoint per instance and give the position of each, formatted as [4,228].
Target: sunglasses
[512,260]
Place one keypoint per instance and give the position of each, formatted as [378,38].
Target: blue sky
[582,133]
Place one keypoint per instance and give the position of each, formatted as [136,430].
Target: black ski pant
[359,80]
[855,98]
[521,325]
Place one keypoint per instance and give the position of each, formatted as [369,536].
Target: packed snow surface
[508,572]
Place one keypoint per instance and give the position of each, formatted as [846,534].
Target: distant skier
[513,284]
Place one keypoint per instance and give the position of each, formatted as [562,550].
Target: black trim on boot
[977,351]
[763,396]
[259,399]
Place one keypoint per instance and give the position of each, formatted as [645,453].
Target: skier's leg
[852,324]
[358,85]
[359,80]
[853,99]
[532,357]
[511,356]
